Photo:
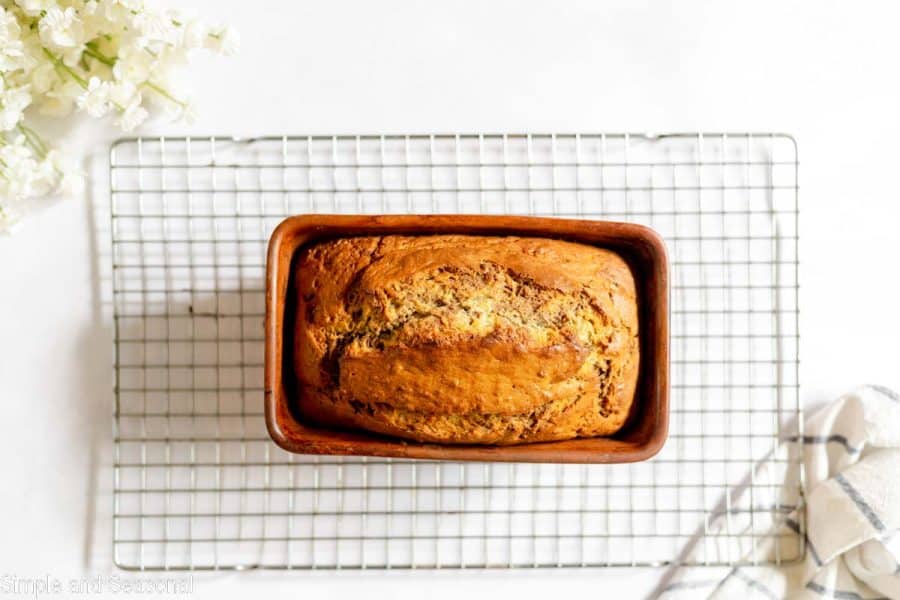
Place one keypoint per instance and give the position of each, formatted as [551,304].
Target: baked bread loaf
[465,339]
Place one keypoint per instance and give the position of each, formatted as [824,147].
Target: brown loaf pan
[646,429]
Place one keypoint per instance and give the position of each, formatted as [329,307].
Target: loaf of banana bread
[465,339]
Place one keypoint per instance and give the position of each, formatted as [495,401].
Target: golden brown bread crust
[466,339]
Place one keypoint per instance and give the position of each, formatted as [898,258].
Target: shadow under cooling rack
[198,484]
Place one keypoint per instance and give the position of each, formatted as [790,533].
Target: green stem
[59,64]
[94,53]
[34,148]
[35,140]
[165,94]
[30,133]
[78,78]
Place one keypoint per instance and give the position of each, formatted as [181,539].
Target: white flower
[60,100]
[10,218]
[34,52]
[43,77]
[133,115]
[62,172]
[12,55]
[24,177]
[224,40]
[20,170]
[14,102]
[95,99]
[12,51]
[14,152]
[33,8]
[155,29]
[121,93]
[118,11]
[95,23]
[9,26]
[134,64]
[194,34]
[61,28]
[179,110]
[98,55]
[72,56]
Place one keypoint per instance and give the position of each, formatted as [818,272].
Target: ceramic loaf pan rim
[643,249]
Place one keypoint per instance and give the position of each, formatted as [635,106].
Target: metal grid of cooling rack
[198,484]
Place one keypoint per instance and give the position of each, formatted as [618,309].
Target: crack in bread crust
[464,339]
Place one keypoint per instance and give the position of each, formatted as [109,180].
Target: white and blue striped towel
[852,458]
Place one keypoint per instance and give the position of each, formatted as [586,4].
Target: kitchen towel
[851,451]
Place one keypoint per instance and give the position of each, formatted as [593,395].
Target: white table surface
[825,72]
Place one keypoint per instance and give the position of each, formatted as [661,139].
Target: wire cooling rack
[198,484]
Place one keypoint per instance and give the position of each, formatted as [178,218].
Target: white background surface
[823,71]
